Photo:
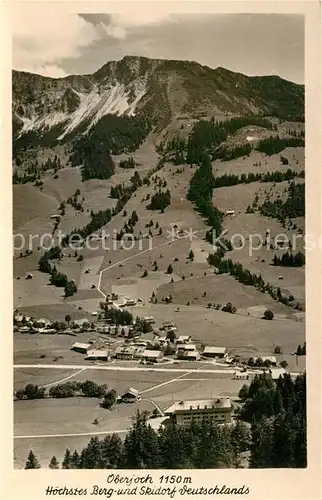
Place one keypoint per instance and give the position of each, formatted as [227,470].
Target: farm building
[214,352]
[43,323]
[149,319]
[130,396]
[81,322]
[130,302]
[80,347]
[97,354]
[276,373]
[152,356]
[187,347]
[168,325]
[24,329]
[188,355]
[271,359]
[184,339]
[213,410]
[241,375]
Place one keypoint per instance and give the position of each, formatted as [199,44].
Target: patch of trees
[268,314]
[160,200]
[74,201]
[289,260]
[226,153]
[301,350]
[278,176]
[229,308]
[56,278]
[33,171]
[128,163]
[292,207]
[122,192]
[112,134]
[87,389]
[31,391]
[200,193]
[277,412]
[274,145]
[142,325]
[208,135]
[98,220]
[116,316]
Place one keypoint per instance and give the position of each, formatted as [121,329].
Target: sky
[58,44]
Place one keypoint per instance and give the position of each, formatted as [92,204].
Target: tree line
[277,176]
[56,278]
[248,278]
[195,447]
[274,145]
[200,193]
[87,389]
[277,413]
[292,207]
[289,260]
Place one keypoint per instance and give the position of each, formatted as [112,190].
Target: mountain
[137,88]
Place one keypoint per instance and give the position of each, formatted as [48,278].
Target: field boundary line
[97,433]
[66,378]
[136,255]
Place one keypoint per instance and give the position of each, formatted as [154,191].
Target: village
[143,342]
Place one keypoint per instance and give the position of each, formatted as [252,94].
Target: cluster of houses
[27,324]
[164,343]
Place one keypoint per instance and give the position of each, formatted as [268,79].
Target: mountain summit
[158,90]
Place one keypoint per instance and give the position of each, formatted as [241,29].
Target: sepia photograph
[159,241]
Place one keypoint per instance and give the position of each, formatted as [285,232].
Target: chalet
[152,356]
[81,347]
[131,395]
[276,373]
[184,339]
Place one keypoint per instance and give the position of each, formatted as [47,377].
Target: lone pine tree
[32,461]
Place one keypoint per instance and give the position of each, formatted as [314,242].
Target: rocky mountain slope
[151,89]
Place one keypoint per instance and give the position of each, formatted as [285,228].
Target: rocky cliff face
[155,89]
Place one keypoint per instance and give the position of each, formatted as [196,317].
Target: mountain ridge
[157,90]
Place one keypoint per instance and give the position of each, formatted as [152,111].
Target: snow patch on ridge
[36,122]
[93,106]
